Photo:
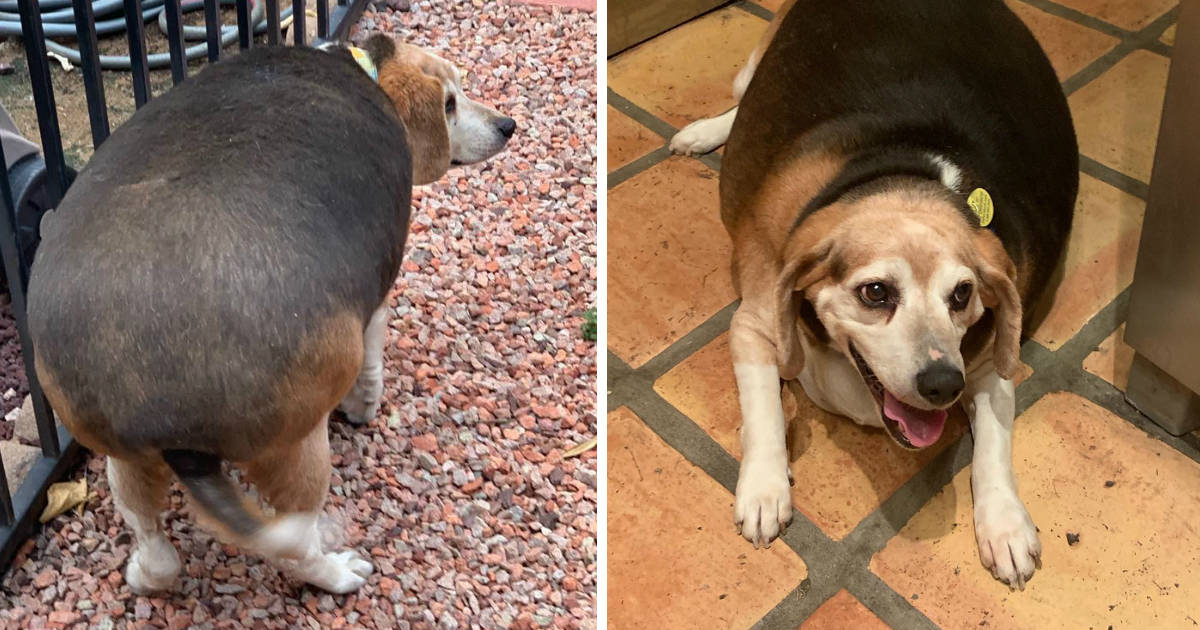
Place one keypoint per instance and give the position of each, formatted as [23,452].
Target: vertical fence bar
[299,32]
[212,25]
[322,19]
[139,67]
[43,99]
[175,41]
[273,22]
[245,29]
[93,84]
[47,432]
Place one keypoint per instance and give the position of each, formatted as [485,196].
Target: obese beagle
[214,284]
[898,182]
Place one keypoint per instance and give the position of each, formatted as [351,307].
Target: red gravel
[458,491]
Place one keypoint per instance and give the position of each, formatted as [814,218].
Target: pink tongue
[920,426]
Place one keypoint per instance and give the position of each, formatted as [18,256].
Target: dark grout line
[636,167]
[892,608]
[687,345]
[1078,17]
[618,369]
[755,9]
[645,118]
[1098,67]
[1095,331]
[1114,178]
[1159,48]
[1105,395]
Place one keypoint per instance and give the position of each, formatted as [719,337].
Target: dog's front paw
[361,405]
[763,506]
[1008,540]
[700,137]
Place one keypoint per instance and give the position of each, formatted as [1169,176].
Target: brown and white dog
[214,284]
[869,139]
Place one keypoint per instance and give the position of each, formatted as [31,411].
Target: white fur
[153,563]
[361,405]
[764,497]
[295,543]
[951,176]
[704,135]
[1008,540]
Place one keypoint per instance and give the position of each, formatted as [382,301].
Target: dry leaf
[63,496]
[580,449]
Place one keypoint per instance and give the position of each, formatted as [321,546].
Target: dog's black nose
[506,126]
[940,383]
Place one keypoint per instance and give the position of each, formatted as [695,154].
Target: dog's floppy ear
[807,260]
[379,48]
[998,290]
[419,102]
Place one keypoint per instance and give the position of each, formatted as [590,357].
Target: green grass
[589,324]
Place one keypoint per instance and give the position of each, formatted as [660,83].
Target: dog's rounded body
[866,143]
[215,283]
[221,255]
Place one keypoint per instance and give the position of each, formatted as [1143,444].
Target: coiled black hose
[58,20]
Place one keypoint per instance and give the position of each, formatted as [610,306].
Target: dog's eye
[875,294]
[961,296]
[450,104]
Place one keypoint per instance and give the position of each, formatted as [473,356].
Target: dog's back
[200,278]
[965,80]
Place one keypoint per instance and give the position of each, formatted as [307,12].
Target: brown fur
[418,100]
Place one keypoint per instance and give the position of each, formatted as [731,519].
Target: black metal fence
[19,509]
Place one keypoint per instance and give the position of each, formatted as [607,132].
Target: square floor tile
[1070,46]
[687,73]
[1111,360]
[1100,258]
[1117,115]
[843,471]
[674,559]
[668,257]
[1133,565]
[627,139]
[1168,36]
[1128,14]
[842,612]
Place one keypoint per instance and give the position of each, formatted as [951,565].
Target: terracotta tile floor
[883,537]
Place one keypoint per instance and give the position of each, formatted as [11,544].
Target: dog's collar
[871,166]
[359,55]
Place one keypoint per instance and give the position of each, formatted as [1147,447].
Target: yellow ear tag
[364,60]
[981,204]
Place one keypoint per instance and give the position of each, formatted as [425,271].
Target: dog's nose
[940,383]
[506,126]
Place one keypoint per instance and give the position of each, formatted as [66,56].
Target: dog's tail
[293,536]
[214,491]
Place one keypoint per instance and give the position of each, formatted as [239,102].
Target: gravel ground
[459,491]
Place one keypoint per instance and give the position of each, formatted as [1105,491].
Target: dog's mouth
[911,427]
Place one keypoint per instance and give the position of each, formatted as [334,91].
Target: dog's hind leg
[1008,541]
[139,491]
[295,481]
[362,403]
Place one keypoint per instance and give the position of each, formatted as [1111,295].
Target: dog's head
[444,126]
[903,286]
